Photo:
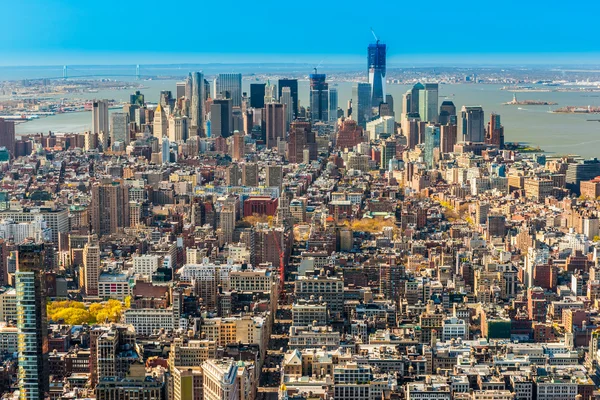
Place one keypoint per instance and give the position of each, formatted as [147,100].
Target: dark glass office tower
[376,66]
[293,85]
[319,98]
[32,321]
[257,95]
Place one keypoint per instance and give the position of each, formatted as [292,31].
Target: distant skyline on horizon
[57,32]
[323,61]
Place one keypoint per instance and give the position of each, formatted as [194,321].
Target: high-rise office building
[287,100]
[406,103]
[293,85]
[221,118]
[361,103]
[180,90]
[428,102]
[471,126]
[231,83]
[376,70]
[432,143]
[7,135]
[319,98]
[274,123]
[227,222]
[160,125]
[257,95]
[349,134]
[447,113]
[333,104]
[109,207]
[410,129]
[197,103]
[301,137]
[448,138]
[166,100]
[495,131]
[270,93]
[414,97]
[90,272]
[165,152]
[137,98]
[178,128]
[119,128]
[100,125]
[238,146]
[388,151]
[32,322]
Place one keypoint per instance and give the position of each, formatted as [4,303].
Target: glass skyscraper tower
[32,322]
[376,66]
[231,83]
[319,98]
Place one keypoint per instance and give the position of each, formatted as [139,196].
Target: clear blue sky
[36,32]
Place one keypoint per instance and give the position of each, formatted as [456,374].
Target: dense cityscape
[224,244]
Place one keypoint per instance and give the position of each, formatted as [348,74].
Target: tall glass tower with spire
[376,69]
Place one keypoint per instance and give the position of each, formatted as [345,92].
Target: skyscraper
[119,128]
[361,108]
[388,151]
[376,70]
[319,98]
[428,102]
[274,123]
[160,125]
[432,142]
[447,138]
[231,83]
[257,95]
[221,118]
[32,322]
[165,152]
[293,85]
[180,90]
[110,207]
[7,135]
[301,138]
[91,268]
[238,146]
[349,134]
[414,97]
[270,93]
[471,124]
[178,128]
[495,131]
[100,121]
[447,112]
[197,103]
[287,100]
[333,104]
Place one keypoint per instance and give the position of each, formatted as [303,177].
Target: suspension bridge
[118,72]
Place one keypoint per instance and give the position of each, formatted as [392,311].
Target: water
[554,133]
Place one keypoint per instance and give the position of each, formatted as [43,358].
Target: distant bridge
[80,74]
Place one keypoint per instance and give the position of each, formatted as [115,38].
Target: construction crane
[375,36]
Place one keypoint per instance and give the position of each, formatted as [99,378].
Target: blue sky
[36,32]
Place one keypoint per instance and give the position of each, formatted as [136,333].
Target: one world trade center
[377,73]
